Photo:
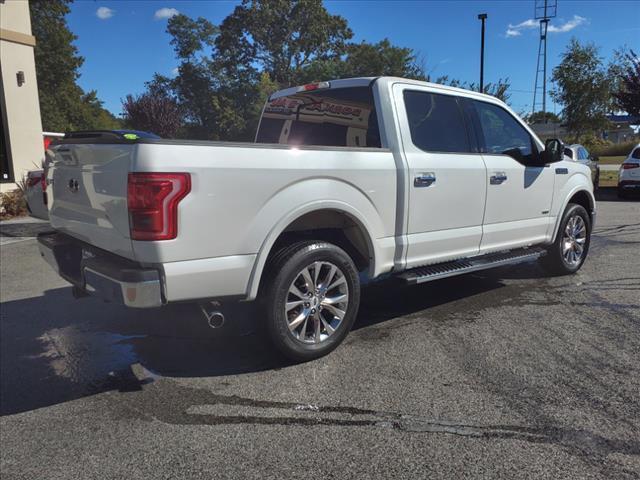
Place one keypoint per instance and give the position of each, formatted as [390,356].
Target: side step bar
[472,264]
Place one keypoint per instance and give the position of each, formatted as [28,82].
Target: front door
[447,175]
[519,188]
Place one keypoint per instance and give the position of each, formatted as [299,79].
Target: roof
[365,81]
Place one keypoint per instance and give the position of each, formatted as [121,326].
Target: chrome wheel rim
[574,240]
[317,302]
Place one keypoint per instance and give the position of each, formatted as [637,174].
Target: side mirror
[553,151]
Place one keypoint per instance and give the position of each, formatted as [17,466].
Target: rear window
[340,117]
[636,153]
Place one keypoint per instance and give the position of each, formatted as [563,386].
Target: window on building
[5,160]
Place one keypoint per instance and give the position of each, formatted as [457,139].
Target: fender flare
[292,216]
[569,196]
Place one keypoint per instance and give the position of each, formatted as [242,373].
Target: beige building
[22,147]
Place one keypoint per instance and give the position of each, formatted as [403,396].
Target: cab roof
[365,81]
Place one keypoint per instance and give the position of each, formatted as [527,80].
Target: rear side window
[339,117]
[436,122]
[636,153]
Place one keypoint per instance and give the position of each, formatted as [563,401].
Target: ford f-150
[347,181]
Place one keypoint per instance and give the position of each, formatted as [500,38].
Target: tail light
[35,180]
[314,86]
[629,166]
[152,200]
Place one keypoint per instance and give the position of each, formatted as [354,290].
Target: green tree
[542,117]
[279,37]
[583,89]
[64,106]
[499,89]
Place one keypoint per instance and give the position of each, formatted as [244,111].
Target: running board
[467,265]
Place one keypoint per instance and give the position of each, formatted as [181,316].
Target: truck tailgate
[88,194]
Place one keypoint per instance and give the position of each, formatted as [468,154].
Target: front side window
[338,117]
[436,122]
[504,135]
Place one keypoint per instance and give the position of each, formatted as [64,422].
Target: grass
[612,160]
[608,179]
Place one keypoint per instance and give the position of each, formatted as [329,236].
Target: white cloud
[576,21]
[175,71]
[105,13]
[516,30]
[530,24]
[165,13]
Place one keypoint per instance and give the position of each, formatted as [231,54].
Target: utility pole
[482,17]
[544,11]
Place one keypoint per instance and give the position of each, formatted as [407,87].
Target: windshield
[341,117]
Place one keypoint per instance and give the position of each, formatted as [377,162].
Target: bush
[614,149]
[13,204]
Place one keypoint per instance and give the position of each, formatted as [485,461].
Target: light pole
[482,17]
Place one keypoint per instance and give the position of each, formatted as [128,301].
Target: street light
[482,17]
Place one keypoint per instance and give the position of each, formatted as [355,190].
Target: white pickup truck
[348,181]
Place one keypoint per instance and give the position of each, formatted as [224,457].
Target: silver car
[580,154]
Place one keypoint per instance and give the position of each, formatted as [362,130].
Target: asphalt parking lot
[504,374]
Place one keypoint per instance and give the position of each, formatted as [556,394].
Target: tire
[569,250]
[311,327]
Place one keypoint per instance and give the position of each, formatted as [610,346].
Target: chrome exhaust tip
[215,318]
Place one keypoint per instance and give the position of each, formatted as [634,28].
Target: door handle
[497,178]
[424,179]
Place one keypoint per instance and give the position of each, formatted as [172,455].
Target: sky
[125,42]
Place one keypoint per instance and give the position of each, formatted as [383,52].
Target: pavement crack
[193,406]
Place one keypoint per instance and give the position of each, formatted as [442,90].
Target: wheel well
[582,198]
[331,226]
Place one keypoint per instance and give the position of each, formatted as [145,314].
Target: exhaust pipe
[77,292]
[214,317]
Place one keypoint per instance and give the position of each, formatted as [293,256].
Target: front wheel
[569,251]
[311,297]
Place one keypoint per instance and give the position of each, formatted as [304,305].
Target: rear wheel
[311,296]
[569,251]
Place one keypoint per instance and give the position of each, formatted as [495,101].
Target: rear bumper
[100,273]
[629,184]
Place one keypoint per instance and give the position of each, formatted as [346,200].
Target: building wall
[21,109]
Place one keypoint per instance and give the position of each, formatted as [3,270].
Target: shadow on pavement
[55,348]
[610,194]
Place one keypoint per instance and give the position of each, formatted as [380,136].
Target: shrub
[13,204]
[614,149]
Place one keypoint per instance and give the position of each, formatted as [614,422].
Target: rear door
[88,194]
[519,189]
[447,184]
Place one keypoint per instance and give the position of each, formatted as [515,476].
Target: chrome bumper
[100,273]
